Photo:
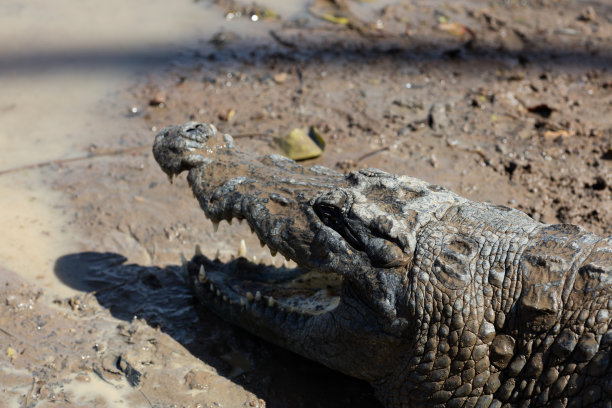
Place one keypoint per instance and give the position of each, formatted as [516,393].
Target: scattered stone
[438,119]
[588,14]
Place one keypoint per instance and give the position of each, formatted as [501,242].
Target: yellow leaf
[335,19]
[453,28]
[300,145]
[11,353]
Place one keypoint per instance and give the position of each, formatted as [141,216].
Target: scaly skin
[434,299]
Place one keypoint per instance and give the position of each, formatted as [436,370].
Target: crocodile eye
[331,207]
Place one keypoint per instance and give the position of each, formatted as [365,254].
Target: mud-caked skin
[443,301]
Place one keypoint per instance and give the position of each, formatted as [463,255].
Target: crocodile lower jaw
[245,285]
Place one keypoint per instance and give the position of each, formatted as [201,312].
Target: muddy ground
[507,102]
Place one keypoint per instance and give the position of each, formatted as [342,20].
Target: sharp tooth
[249,296]
[211,287]
[273,252]
[242,249]
[254,260]
[183,259]
[202,274]
[215,226]
[198,250]
[258,296]
[218,292]
[218,255]
[262,243]
[285,264]
[270,301]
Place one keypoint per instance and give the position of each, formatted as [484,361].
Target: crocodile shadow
[162,298]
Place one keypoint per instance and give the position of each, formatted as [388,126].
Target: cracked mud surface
[519,113]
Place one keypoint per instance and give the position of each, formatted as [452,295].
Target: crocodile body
[436,300]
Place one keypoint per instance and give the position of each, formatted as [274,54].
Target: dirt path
[499,101]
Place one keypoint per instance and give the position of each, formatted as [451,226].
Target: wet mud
[504,102]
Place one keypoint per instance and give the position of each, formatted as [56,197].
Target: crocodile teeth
[242,249]
[202,274]
[249,296]
[270,301]
[218,255]
[254,259]
[198,250]
[257,296]
[184,270]
[215,226]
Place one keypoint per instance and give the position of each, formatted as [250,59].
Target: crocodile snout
[180,148]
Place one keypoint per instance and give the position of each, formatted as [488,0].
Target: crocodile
[435,300]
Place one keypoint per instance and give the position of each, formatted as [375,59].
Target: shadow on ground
[162,298]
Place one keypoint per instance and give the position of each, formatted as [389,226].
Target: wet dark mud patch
[161,298]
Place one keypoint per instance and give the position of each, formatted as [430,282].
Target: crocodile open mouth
[278,199]
[243,283]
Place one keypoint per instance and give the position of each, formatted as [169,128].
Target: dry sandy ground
[508,102]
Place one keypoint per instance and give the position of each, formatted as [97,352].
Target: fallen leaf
[227,116]
[335,19]
[11,353]
[456,29]
[280,78]
[302,144]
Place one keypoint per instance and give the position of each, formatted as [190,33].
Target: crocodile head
[432,298]
[344,304]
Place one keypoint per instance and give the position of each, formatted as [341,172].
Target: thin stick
[7,333]
[241,135]
[372,153]
[27,400]
[73,159]
[145,397]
